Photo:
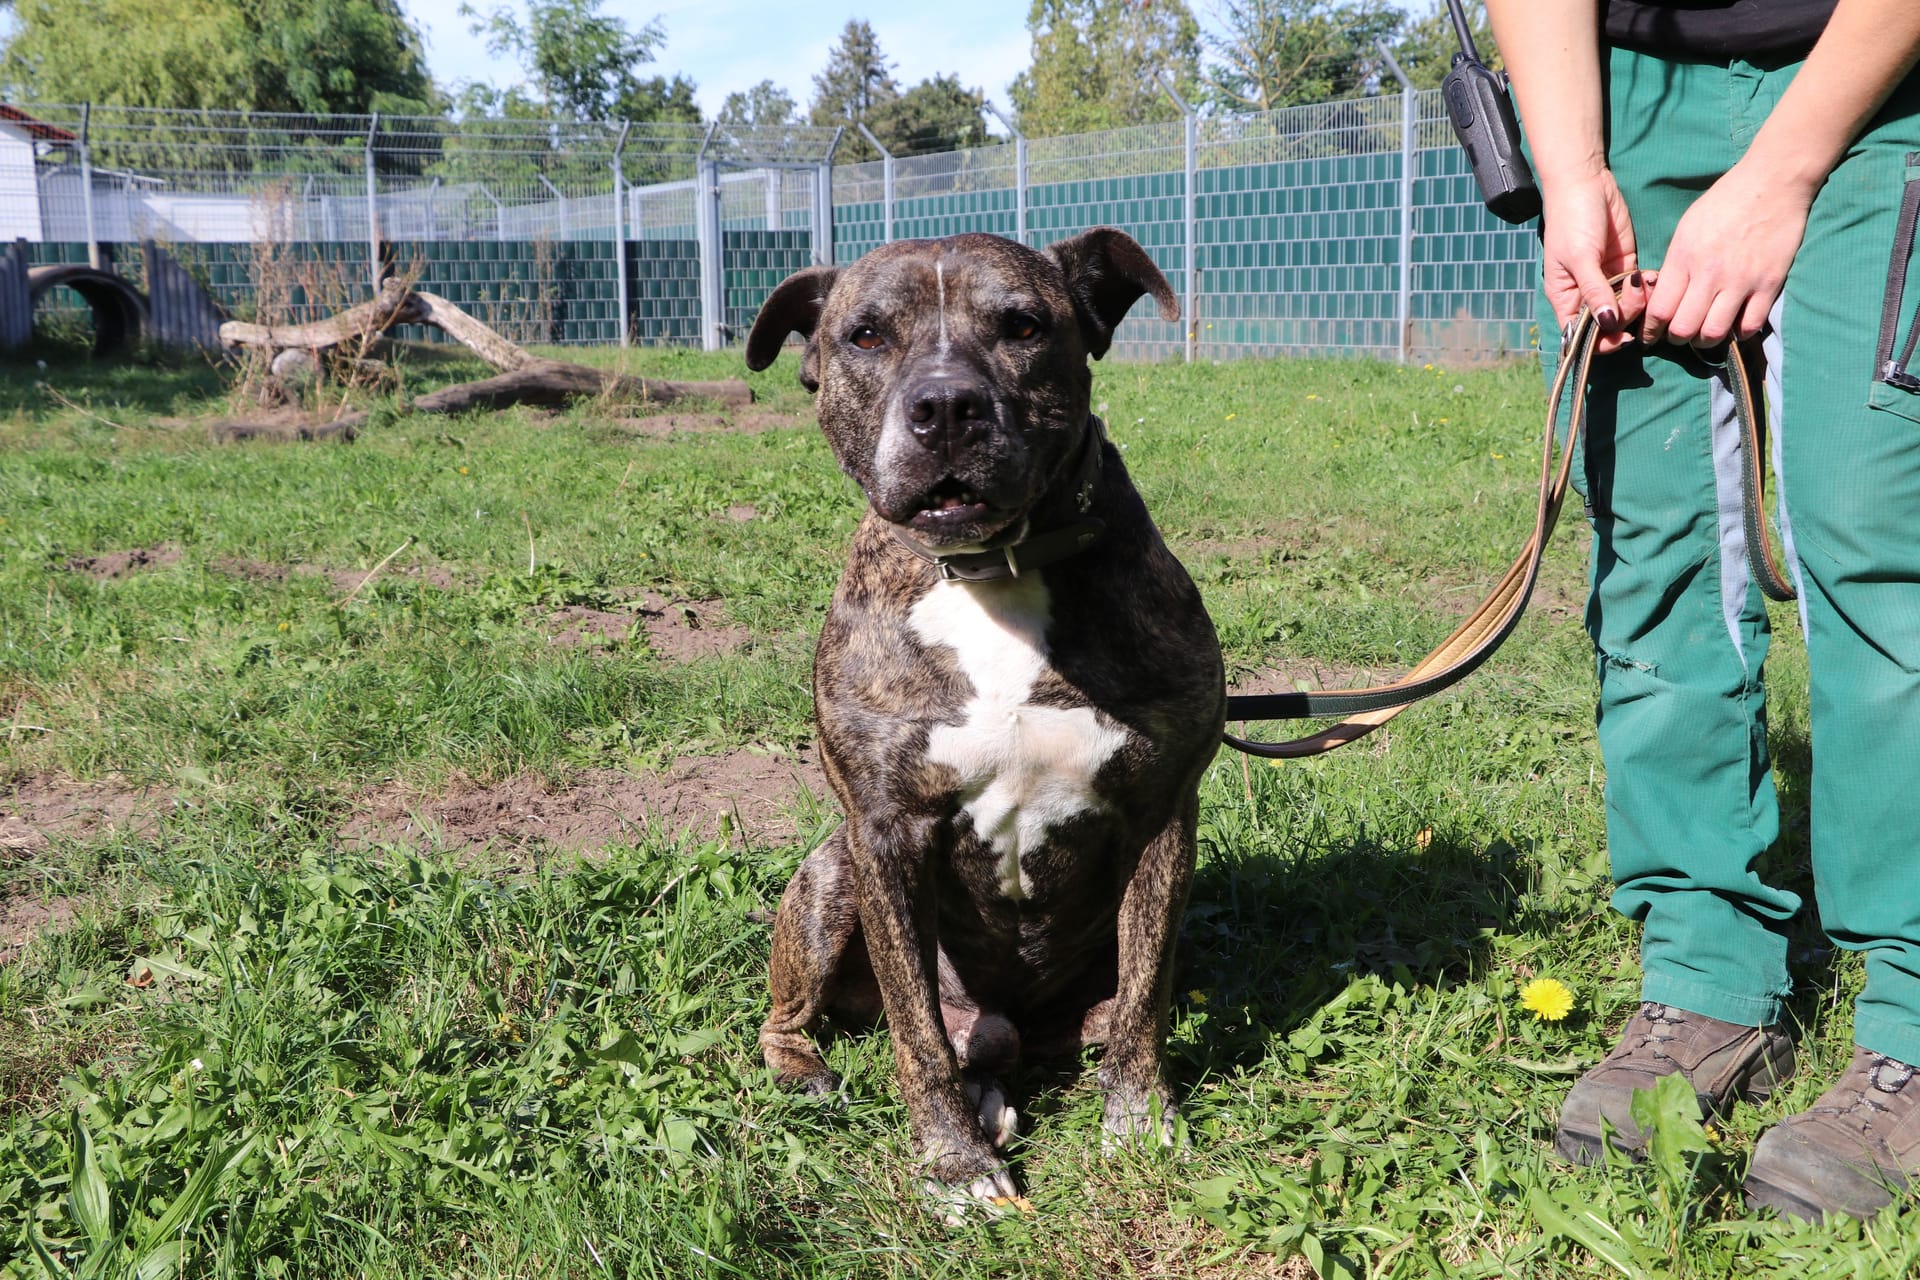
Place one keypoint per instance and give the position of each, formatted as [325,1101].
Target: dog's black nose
[948,412]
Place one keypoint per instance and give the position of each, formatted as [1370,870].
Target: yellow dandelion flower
[1547,999]
[463,471]
[1197,997]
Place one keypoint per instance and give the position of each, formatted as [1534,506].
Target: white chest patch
[1024,769]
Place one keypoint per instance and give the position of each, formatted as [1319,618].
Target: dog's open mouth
[947,505]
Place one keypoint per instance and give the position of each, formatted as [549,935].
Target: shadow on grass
[1269,941]
[1277,938]
[148,384]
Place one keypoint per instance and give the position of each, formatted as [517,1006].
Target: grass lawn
[387,832]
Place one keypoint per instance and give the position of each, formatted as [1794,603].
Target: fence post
[620,233]
[558,199]
[86,183]
[1190,146]
[499,212]
[886,183]
[373,207]
[823,205]
[706,229]
[1019,174]
[1408,106]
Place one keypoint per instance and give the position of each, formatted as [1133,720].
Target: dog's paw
[823,1085]
[989,1196]
[998,1120]
[1138,1123]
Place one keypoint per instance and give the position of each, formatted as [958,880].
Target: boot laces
[1885,1076]
[1663,1028]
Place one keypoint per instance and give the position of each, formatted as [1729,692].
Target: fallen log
[524,378]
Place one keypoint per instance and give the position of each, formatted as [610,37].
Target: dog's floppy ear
[1107,272]
[794,307]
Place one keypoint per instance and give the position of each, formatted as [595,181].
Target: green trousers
[1679,626]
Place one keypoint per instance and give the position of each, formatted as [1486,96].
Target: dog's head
[952,374]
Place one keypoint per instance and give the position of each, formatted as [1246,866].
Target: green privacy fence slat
[756,261]
[1293,255]
[531,291]
[1297,247]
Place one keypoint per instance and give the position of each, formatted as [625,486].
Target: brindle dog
[1017,690]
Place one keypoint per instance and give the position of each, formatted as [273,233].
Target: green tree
[855,81]
[1427,45]
[1278,53]
[938,114]
[659,100]
[1094,63]
[580,63]
[263,55]
[764,104]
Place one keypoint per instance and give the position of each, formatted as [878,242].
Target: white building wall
[19,198]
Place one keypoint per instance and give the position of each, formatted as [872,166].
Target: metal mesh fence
[1298,231]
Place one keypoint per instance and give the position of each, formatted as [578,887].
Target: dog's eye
[1023,327]
[867,338]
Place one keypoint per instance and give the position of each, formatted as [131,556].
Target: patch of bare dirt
[22,918]
[741,512]
[758,795]
[577,625]
[666,424]
[1561,597]
[42,806]
[118,564]
[252,570]
[1291,675]
[1284,535]
[682,630]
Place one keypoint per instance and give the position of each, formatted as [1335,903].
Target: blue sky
[725,45]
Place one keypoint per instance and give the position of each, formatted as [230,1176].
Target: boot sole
[1587,1149]
[1764,1193]
[1761,1194]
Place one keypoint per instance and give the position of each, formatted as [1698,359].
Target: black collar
[1019,550]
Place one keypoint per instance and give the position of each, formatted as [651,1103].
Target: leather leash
[1475,639]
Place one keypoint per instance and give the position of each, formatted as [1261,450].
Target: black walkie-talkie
[1483,120]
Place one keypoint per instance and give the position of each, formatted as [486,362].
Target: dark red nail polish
[1635,280]
[1608,318]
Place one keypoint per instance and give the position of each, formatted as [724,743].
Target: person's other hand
[1728,260]
[1587,238]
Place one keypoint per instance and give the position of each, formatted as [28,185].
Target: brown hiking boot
[1721,1060]
[1851,1152]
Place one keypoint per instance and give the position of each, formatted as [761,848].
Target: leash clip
[1896,376]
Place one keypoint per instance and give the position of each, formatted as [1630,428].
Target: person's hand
[1728,259]
[1587,238]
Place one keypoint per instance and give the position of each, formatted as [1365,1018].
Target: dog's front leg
[899,920]
[1132,1066]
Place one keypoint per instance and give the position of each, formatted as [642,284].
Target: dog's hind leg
[819,966]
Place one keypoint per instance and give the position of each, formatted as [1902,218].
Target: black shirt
[1717,28]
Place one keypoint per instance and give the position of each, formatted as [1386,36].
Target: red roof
[38,128]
